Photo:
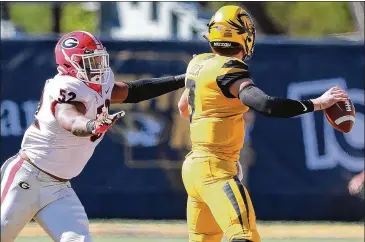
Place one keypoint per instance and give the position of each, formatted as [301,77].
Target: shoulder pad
[235,63]
[67,88]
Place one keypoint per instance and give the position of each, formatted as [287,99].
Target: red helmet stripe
[93,37]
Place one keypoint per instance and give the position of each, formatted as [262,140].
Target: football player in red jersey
[71,119]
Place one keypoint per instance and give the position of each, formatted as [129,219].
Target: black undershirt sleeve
[145,89]
[256,99]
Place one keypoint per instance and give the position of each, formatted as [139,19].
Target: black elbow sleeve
[145,89]
[256,99]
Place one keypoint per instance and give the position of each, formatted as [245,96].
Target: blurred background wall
[296,169]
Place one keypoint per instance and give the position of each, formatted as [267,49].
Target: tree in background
[312,19]
[304,19]
[36,18]
[31,18]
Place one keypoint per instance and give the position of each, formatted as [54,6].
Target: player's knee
[7,235]
[5,238]
[75,237]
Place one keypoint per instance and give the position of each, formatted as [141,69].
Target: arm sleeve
[230,72]
[256,99]
[145,89]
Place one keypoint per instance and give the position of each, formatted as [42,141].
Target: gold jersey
[216,116]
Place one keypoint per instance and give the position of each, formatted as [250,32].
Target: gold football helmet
[231,26]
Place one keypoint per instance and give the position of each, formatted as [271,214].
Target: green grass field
[176,231]
[131,239]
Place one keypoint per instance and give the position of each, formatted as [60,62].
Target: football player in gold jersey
[218,91]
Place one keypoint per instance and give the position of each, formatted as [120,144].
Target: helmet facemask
[92,67]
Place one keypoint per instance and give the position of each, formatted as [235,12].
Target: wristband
[90,125]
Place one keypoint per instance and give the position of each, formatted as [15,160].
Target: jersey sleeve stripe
[235,64]
[231,70]
[225,81]
[235,75]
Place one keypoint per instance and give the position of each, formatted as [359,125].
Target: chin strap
[205,37]
[62,70]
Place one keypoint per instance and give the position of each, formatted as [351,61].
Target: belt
[26,158]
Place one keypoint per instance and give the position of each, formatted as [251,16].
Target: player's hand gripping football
[330,97]
[104,121]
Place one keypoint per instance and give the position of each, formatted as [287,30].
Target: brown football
[341,116]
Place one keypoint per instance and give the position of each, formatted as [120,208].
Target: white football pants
[28,193]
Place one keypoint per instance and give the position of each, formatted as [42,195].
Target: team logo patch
[70,43]
[24,185]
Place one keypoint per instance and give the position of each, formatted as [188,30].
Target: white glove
[103,122]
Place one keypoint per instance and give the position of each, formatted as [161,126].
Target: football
[341,116]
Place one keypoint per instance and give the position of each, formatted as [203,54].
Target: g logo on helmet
[70,43]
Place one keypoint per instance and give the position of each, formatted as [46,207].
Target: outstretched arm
[71,117]
[144,89]
[253,97]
